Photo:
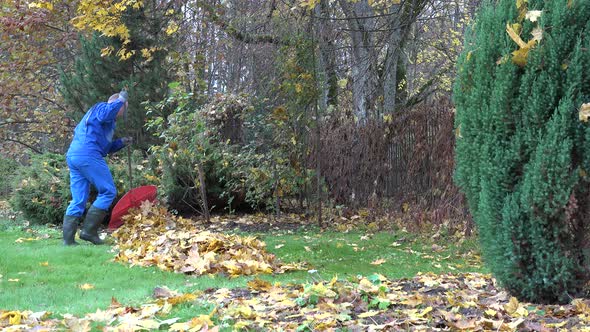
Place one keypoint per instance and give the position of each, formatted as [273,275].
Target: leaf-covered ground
[359,298]
[430,302]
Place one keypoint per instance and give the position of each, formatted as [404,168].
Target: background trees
[308,68]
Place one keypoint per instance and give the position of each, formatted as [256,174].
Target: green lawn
[44,275]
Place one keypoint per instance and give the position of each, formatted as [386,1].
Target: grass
[50,275]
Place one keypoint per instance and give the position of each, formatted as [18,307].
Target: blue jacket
[93,136]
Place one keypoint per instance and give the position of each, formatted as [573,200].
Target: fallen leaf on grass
[259,285]
[86,286]
[368,314]
[378,261]
[162,293]
[27,239]
[432,302]
[44,264]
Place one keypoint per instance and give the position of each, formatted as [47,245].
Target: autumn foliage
[523,148]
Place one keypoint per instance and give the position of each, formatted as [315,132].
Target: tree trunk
[327,57]
[361,22]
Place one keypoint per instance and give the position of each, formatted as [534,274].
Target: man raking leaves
[93,140]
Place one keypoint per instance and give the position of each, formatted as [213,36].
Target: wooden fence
[408,159]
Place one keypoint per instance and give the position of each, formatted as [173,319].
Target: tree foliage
[522,151]
[36,38]
[98,73]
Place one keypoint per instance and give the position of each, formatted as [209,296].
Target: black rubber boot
[70,226]
[94,218]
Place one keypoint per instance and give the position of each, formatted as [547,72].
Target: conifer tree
[96,76]
[523,142]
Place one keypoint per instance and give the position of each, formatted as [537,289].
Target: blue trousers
[84,171]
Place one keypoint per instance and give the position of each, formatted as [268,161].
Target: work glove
[123,95]
[127,140]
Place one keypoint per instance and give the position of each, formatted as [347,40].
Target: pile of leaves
[425,302]
[151,236]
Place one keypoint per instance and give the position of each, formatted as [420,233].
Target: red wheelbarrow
[132,199]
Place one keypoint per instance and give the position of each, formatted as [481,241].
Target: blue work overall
[93,140]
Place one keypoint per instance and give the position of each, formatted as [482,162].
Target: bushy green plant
[144,171]
[8,168]
[523,143]
[42,190]
[250,158]
[190,138]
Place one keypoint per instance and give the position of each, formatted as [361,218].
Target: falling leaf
[537,34]
[86,286]
[533,15]
[584,112]
[44,264]
[378,261]
[13,280]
